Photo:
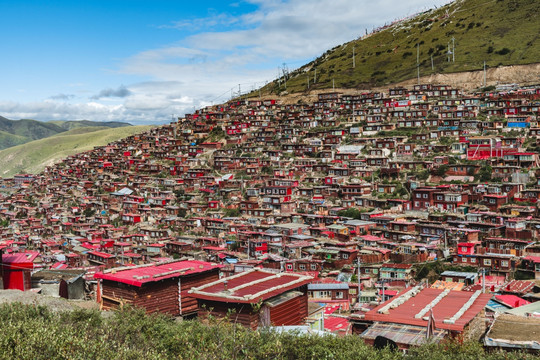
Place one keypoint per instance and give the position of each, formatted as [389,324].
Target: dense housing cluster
[408,214]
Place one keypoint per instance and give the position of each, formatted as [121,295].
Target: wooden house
[282,297]
[159,287]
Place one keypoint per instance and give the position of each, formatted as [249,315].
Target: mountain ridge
[17,132]
[498,32]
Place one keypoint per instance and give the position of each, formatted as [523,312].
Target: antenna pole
[418,62]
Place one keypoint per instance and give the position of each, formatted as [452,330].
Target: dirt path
[54,303]
[520,74]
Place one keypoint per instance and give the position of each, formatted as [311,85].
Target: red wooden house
[160,287]
[283,298]
[17,269]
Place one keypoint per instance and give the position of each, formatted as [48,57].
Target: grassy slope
[34,156]
[69,125]
[482,30]
[9,140]
[30,129]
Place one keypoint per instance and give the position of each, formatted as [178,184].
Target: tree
[484,174]
[441,171]
[235,212]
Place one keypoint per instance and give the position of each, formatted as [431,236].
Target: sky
[147,62]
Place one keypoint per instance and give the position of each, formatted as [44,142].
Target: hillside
[25,130]
[499,32]
[68,125]
[32,157]
[16,132]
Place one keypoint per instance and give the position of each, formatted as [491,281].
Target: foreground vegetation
[35,332]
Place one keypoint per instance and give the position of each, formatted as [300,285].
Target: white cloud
[205,67]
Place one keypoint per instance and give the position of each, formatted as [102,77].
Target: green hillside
[499,32]
[68,125]
[16,132]
[8,140]
[32,157]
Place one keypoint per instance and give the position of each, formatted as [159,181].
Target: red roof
[101,254]
[139,275]
[518,286]
[511,300]
[19,258]
[446,308]
[334,323]
[250,286]
[535,259]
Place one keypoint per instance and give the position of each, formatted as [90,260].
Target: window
[504,263]
[473,260]
[487,261]
[313,266]
[302,267]
[463,259]
[425,196]
[339,294]
[289,266]
[345,256]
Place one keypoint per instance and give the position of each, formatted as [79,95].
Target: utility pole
[358,275]
[484,73]
[453,49]
[448,52]
[353,62]
[239,92]
[418,62]
[432,63]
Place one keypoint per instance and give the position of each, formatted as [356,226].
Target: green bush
[35,332]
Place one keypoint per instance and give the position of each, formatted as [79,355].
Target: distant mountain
[68,125]
[32,157]
[16,132]
[457,37]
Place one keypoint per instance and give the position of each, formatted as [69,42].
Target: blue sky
[143,61]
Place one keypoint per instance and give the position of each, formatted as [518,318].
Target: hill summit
[462,36]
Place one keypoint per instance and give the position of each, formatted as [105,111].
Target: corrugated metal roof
[462,274]
[139,275]
[19,258]
[447,307]
[332,286]
[250,286]
[402,334]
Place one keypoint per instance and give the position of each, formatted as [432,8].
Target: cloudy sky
[143,61]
